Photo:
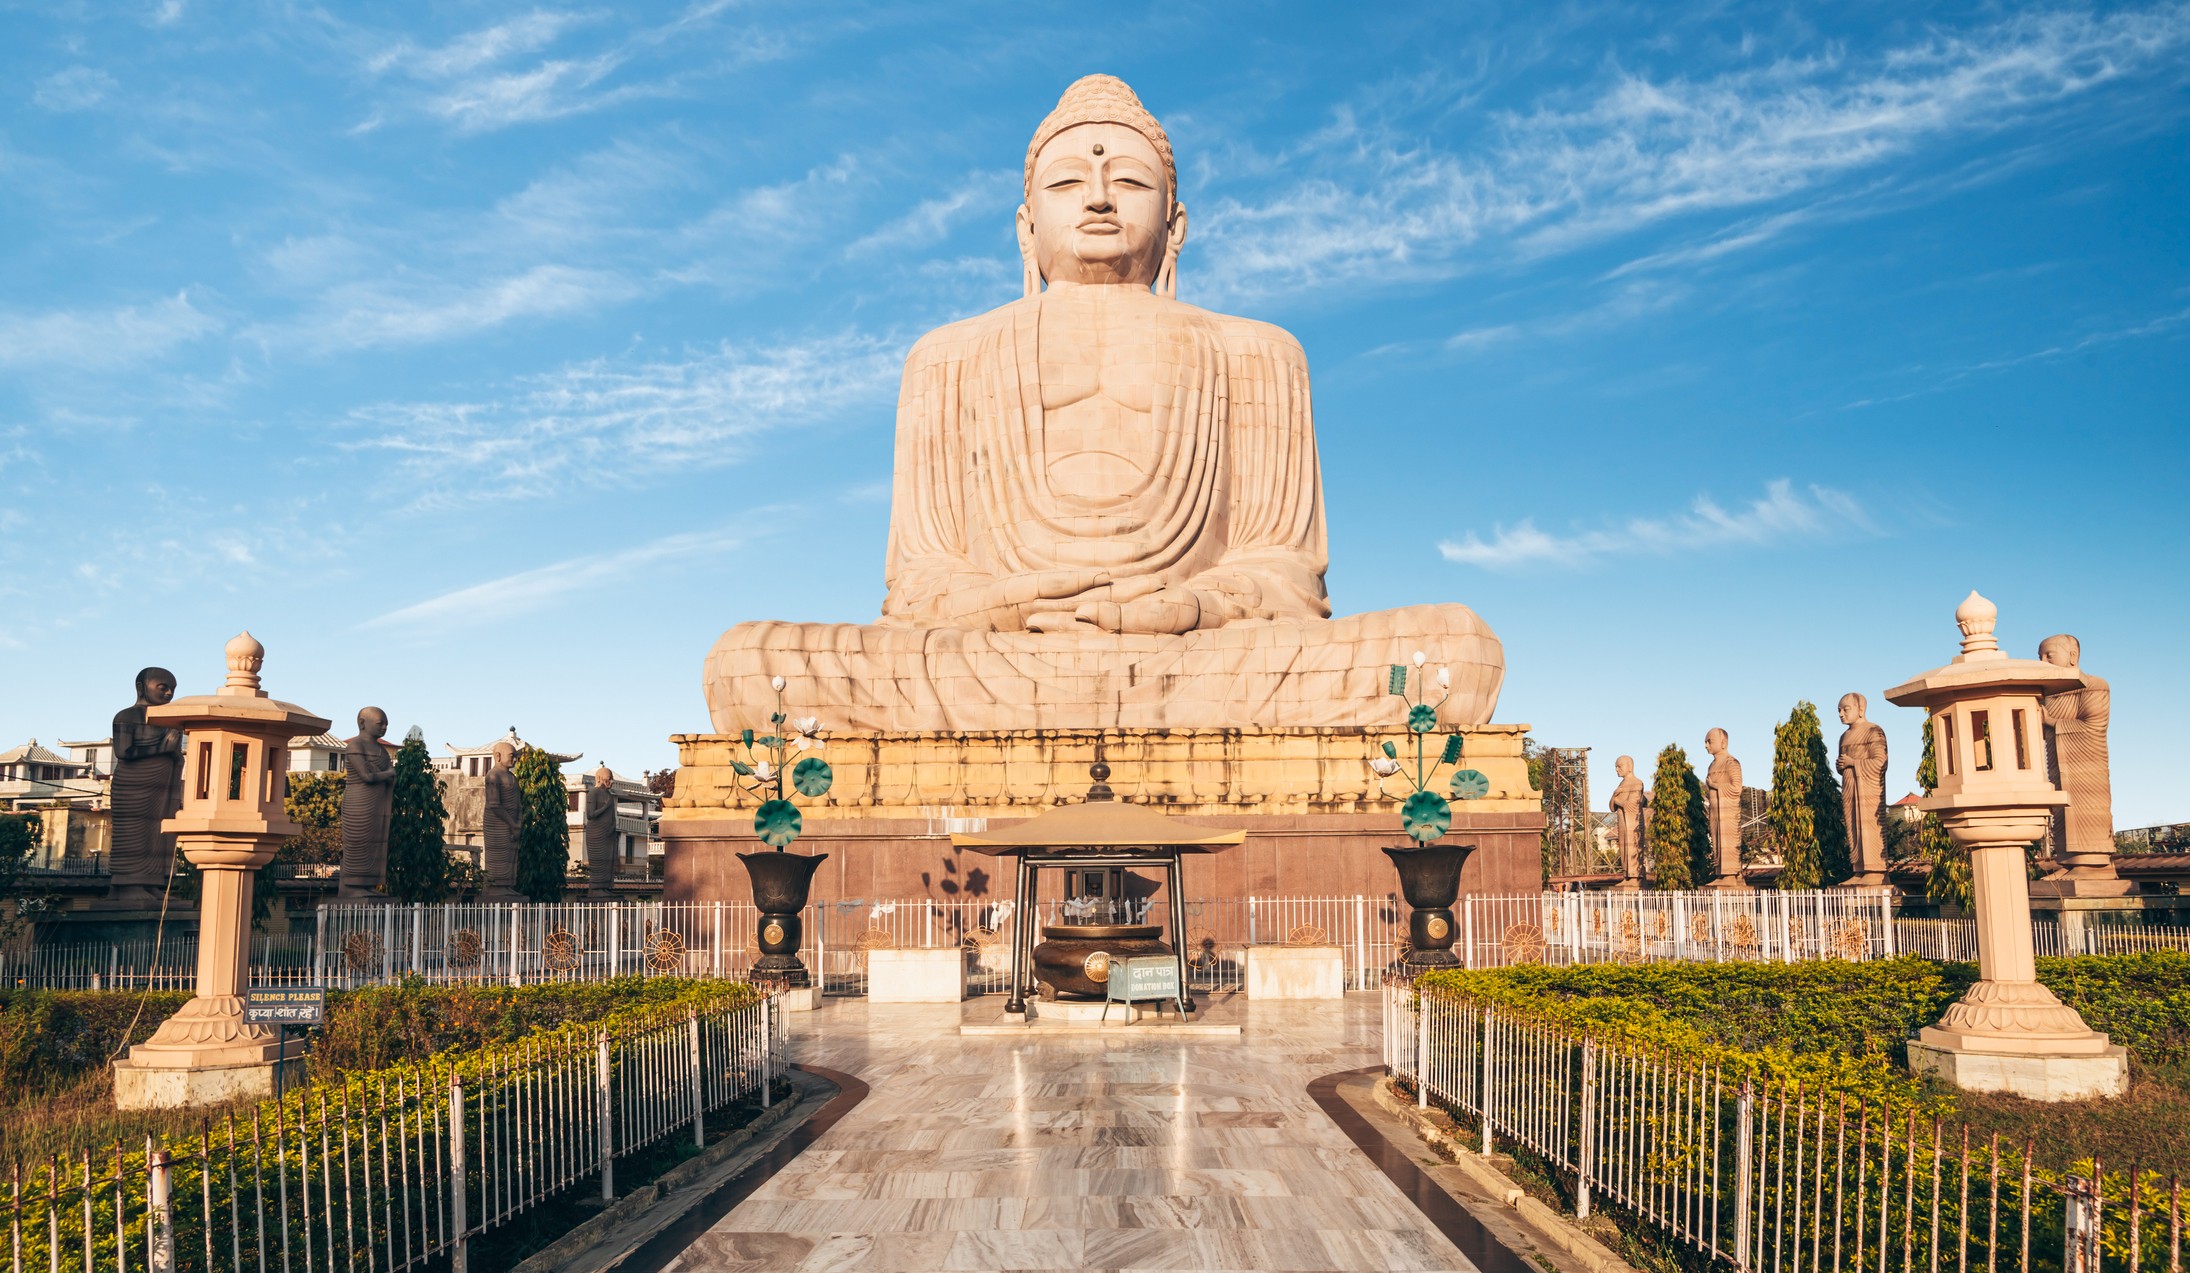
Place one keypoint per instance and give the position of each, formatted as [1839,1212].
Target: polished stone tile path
[1070,1152]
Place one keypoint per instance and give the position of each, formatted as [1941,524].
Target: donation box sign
[1152,977]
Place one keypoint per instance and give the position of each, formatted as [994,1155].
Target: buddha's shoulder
[953,340]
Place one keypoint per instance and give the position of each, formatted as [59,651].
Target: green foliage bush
[543,826]
[1680,835]
[1828,1024]
[418,855]
[1805,812]
[49,1038]
[384,1025]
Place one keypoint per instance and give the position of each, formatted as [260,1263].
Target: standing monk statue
[2082,840]
[1107,510]
[498,824]
[147,789]
[1722,810]
[1862,766]
[600,833]
[368,797]
[1628,801]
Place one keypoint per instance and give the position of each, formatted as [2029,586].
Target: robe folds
[1223,498]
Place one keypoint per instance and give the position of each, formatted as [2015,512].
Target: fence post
[461,1257]
[1250,919]
[418,940]
[1361,942]
[1744,1148]
[1585,1157]
[767,1048]
[160,1204]
[603,1097]
[1885,919]
[1490,1025]
[319,946]
[718,939]
[1421,1049]
[615,950]
[699,1099]
[516,926]
[1467,926]
[2078,1219]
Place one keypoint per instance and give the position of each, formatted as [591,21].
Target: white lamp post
[2009,1033]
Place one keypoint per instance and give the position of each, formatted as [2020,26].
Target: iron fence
[1762,1175]
[400,1167]
[520,943]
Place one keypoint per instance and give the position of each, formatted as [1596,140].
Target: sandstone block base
[1090,1012]
[161,1087]
[803,999]
[916,976]
[1296,972]
[2037,1078]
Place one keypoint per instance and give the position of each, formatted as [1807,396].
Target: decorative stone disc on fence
[871,940]
[1201,949]
[1847,939]
[664,951]
[466,948]
[1307,935]
[560,951]
[361,951]
[1741,935]
[1524,944]
[1627,948]
[1699,928]
[981,939]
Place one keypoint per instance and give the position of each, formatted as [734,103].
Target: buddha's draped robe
[146,788]
[1220,494]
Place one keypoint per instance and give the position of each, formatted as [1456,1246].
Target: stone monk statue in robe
[368,801]
[2076,752]
[1107,510]
[147,788]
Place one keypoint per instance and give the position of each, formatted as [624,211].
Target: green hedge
[49,1039]
[373,1028]
[1827,1024]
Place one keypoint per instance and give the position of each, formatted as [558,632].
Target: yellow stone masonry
[1188,771]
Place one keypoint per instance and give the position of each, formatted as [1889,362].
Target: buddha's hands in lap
[1139,606]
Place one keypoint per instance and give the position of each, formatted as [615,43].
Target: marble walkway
[1079,1152]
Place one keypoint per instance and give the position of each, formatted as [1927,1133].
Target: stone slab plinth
[916,976]
[2037,1078]
[1296,972]
[803,999]
[138,1086]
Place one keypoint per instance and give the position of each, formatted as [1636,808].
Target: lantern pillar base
[180,1079]
[2032,1076]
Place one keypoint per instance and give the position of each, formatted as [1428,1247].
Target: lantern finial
[1976,617]
[245,657]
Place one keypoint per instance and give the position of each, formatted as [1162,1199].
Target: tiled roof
[32,753]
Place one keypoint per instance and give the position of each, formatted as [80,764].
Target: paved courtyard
[1129,1151]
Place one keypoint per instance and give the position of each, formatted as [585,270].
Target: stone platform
[2036,1078]
[1305,797]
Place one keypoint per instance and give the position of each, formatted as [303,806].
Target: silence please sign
[285,1005]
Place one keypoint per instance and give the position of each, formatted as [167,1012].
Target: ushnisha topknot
[1103,99]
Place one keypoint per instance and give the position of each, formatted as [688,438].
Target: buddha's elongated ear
[1167,278]
[1030,273]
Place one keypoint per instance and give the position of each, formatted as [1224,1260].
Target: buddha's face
[504,754]
[1624,767]
[1098,210]
[1851,710]
[373,723]
[158,691]
[1715,741]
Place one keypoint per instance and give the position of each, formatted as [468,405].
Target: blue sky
[486,363]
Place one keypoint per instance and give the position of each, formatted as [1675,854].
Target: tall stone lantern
[2009,1033]
[235,779]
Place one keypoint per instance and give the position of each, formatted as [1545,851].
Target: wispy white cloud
[1781,515]
[542,588]
[2170,323]
[100,339]
[605,420]
[366,314]
[1381,202]
[77,88]
[932,220]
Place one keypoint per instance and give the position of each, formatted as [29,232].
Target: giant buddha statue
[1107,510]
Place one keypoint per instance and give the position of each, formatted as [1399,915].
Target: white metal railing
[521,943]
[1760,1175]
[404,1168]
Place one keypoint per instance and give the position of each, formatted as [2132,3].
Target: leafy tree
[19,834]
[662,782]
[314,803]
[1949,880]
[543,826]
[1679,847]
[418,853]
[1805,810]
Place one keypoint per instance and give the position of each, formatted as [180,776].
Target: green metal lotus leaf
[1452,751]
[1421,718]
[1399,679]
[1470,784]
[742,769]
[1391,751]
[1426,815]
[768,741]
[777,823]
[775,718]
[812,776]
[746,736]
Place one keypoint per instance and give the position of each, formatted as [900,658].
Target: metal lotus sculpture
[781,880]
[1429,873]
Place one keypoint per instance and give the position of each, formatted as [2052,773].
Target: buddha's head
[505,754]
[603,777]
[1852,707]
[155,686]
[2061,651]
[1624,766]
[372,723]
[1715,742]
[1102,201]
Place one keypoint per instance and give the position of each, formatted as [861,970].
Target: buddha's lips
[1100,227]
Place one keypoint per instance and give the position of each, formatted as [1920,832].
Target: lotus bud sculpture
[1429,873]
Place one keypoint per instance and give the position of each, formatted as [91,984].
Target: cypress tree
[1949,879]
[543,826]
[1679,849]
[418,854]
[1805,810]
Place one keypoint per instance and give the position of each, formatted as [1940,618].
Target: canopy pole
[1017,1003]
